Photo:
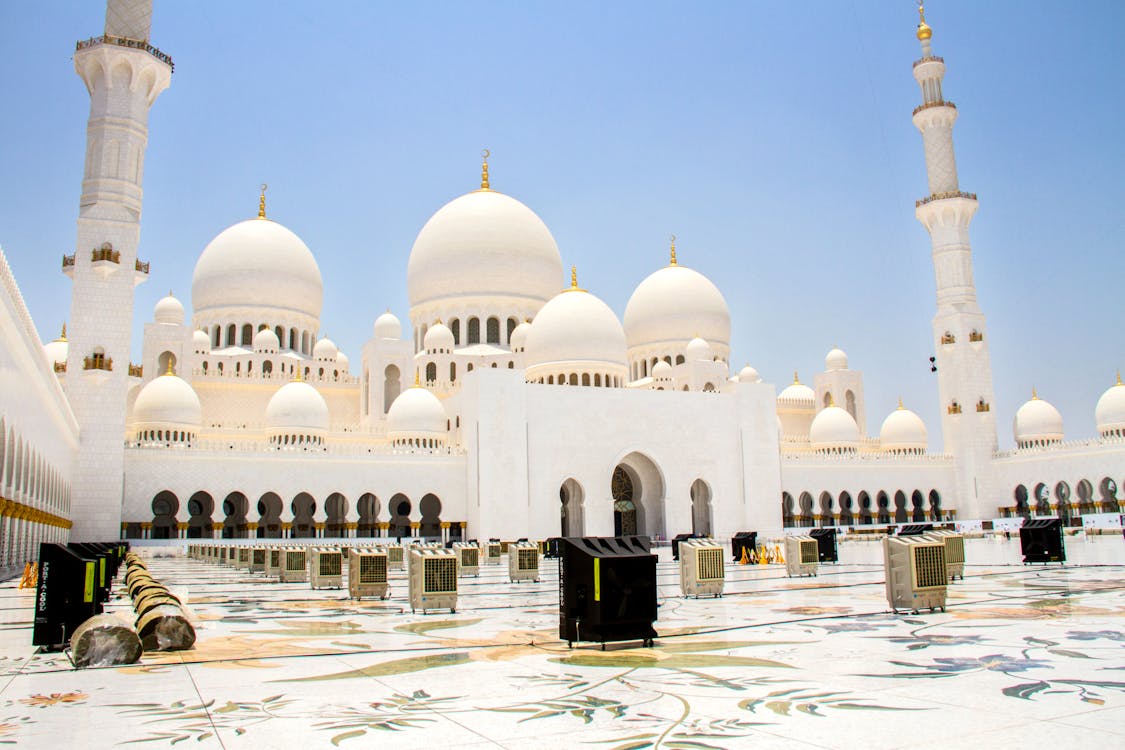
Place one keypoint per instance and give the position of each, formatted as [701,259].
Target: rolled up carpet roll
[104,641]
[164,628]
[142,604]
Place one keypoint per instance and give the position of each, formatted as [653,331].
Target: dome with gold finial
[1037,423]
[483,246]
[903,431]
[166,410]
[575,333]
[297,415]
[797,394]
[169,311]
[58,349]
[671,307]
[833,429]
[257,266]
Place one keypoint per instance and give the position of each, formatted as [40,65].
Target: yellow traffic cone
[30,578]
[745,559]
[764,556]
[779,557]
[753,557]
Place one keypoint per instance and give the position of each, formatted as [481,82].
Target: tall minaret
[960,339]
[124,74]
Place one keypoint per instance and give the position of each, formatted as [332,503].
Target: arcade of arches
[1043,499]
[900,506]
[302,517]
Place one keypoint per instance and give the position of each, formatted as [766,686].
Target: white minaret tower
[124,74]
[960,339]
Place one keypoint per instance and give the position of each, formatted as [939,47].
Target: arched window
[455,326]
[293,339]
[474,331]
[431,372]
[452,372]
[492,331]
[512,323]
[585,378]
[230,335]
[216,334]
[392,386]
[679,359]
[849,401]
[247,334]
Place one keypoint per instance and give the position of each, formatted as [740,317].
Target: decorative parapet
[945,196]
[1062,446]
[931,105]
[954,408]
[976,336]
[67,262]
[983,406]
[120,41]
[141,267]
[136,371]
[60,366]
[881,458]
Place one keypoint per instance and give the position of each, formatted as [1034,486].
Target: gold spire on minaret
[924,30]
[262,201]
[574,281]
[672,262]
[484,154]
[62,337]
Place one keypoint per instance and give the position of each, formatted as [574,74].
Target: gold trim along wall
[13,509]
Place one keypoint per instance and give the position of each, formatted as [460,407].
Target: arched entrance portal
[164,508]
[430,508]
[571,522]
[638,497]
[700,508]
[200,507]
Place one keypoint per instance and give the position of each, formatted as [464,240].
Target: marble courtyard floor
[1024,656]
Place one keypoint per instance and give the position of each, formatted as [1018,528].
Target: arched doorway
[865,508]
[1086,497]
[935,506]
[883,507]
[165,506]
[571,510]
[624,509]
[1021,502]
[637,480]
[336,508]
[269,516]
[846,517]
[700,508]
[805,504]
[918,506]
[430,508]
[788,509]
[368,508]
[1062,499]
[234,516]
[826,516]
[200,507]
[1108,489]
[303,508]
[1042,500]
[900,507]
[400,516]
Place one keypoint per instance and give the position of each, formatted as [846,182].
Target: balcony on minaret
[98,365]
[954,408]
[983,406]
[105,260]
[140,272]
[976,336]
[930,105]
[68,266]
[948,338]
[120,41]
[944,196]
[136,371]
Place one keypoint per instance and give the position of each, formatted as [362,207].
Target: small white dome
[257,264]
[749,375]
[673,306]
[416,413]
[661,371]
[1037,422]
[836,360]
[1110,411]
[325,350]
[297,408]
[342,360]
[698,350]
[387,326]
[166,402]
[58,349]
[438,338]
[833,428]
[903,430]
[518,340]
[265,341]
[575,328]
[798,394]
[169,311]
[202,342]
[483,244]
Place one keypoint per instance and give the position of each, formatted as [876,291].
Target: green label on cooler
[88,591]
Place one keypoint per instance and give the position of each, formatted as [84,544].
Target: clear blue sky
[773,138]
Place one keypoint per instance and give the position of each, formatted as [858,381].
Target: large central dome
[483,244]
[256,263]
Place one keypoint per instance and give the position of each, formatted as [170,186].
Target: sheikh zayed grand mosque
[510,401]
